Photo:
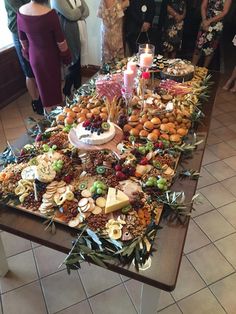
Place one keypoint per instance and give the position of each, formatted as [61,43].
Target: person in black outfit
[138,22]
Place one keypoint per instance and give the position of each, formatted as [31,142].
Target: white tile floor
[207,278]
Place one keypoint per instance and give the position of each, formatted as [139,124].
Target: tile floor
[207,278]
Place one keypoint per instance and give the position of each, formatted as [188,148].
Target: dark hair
[41,1]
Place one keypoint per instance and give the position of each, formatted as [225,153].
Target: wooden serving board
[112,145]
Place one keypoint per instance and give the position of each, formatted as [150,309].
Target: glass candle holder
[145,55]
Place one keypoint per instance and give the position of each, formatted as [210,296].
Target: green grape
[100,191]
[149,183]
[66,129]
[160,186]
[93,189]
[46,147]
[99,186]
[152,179]
[162,181]
[142,150]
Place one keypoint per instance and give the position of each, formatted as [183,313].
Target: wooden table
[170,241]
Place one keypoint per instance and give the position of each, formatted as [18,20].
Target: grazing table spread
[115,177]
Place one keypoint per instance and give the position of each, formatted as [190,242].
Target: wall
[12,81]
[94,33]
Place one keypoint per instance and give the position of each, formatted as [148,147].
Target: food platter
[113,193]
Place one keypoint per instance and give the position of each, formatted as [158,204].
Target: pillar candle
[128,78]
[146,60]
[131,65]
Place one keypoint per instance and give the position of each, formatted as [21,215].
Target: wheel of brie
[89,138]
[44,172]
[29,173]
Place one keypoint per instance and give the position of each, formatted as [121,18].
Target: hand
[205,25]
[125,4]
[178,18]
[146,26]
[66,57]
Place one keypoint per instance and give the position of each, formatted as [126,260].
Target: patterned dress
[173,31]
[112,30]
[207,41]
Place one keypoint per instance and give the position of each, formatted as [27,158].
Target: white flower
[172,32]
[219,26]
[208,51]
[209,37]
[210,29]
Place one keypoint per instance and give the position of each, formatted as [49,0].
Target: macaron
[148,125]
[152,137]
[165,136]
[143,134]
[127,128]
[164,127]
[134,132]
[156,131]
[175,138]
[139,126]
[156,122]
[133,120]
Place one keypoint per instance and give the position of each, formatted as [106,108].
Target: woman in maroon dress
[44,46]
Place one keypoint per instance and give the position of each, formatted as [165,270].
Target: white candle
[146,58]
[128,78]
[131,65]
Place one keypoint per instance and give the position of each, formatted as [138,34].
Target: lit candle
[131,65]
[128,78]
[146,58]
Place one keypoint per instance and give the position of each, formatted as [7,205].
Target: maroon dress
[43,41]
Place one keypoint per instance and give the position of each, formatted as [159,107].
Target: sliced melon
[116,199]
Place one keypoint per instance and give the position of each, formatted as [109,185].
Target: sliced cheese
[116,199]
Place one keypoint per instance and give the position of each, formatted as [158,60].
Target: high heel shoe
[37,106]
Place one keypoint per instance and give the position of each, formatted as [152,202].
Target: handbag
[137,40]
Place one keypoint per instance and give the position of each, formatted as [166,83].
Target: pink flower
[146,75]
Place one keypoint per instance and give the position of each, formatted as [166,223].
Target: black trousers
[73,78]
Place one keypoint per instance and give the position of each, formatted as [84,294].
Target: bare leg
[233,89]
[196,57]
[208,60]
[32,88]
[231,81]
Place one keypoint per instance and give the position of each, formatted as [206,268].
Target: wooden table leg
[3,260]
[149,299]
